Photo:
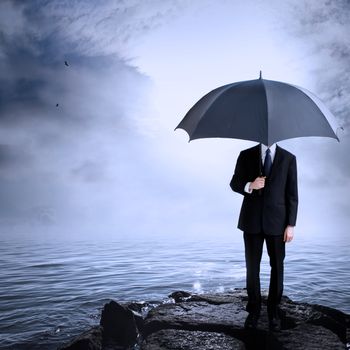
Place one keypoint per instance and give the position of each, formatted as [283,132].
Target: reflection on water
[54,289]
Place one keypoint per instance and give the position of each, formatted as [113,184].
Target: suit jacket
[277,204]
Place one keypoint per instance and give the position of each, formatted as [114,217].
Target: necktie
[267,162]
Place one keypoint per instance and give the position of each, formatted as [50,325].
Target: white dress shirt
[263,154]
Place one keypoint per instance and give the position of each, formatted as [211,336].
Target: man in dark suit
[267,178]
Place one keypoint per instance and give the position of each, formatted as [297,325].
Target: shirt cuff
[246,188]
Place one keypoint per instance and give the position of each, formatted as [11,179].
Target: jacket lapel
[258,160]
[276,162]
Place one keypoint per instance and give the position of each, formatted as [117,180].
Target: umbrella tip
[336,132]
[260,77]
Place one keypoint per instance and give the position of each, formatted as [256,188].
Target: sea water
[53,287]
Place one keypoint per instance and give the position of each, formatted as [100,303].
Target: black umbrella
[259,110]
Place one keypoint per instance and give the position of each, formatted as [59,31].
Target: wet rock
[218,314]
[135,306]
[173,339]
[118,324]
[319,315]
[310,337]
[225,313]
[139,321]
[140,310]
[213,321]
[336,321]
[179,296]
[195,315]
[89,340]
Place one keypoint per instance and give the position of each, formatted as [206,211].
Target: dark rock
[310,337]
[135,306]
[179,296]
[139,309]
[195,315]
[332,319]
[139,320]
[225,313]
[336,321]
[89,340]
[172,339]
[226,318]
[118,324]
[213,321]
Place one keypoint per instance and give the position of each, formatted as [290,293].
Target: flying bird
[56,104]
[66,63]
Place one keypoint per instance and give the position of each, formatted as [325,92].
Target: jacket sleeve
[239,179]
[292,193]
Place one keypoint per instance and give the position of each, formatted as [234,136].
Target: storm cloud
[91,146]
[323,27]
[65,154]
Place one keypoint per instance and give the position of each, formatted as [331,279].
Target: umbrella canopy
[259,110]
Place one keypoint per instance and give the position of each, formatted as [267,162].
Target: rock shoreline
[189,321]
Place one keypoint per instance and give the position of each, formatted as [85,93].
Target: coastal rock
[173,339]
[213,321]
[309,337]
[179,296]
[118,324]
[304,326]
[139,311]
[239,296]
[195,315]
[89,340]
[319,315]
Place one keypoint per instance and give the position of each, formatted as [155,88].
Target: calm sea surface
[52,289]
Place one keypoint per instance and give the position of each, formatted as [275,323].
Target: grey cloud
[90,27]
[70,163]
[324,27]
[13,156]
[89,171]
[87,161]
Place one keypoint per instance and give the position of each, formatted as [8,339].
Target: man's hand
[258,183]
[288,234]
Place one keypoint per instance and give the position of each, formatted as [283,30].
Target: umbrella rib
[306,93]
[260,110]
[224,89]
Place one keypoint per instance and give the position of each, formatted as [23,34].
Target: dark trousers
[253,243]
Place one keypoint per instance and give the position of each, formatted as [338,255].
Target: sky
[90,150]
